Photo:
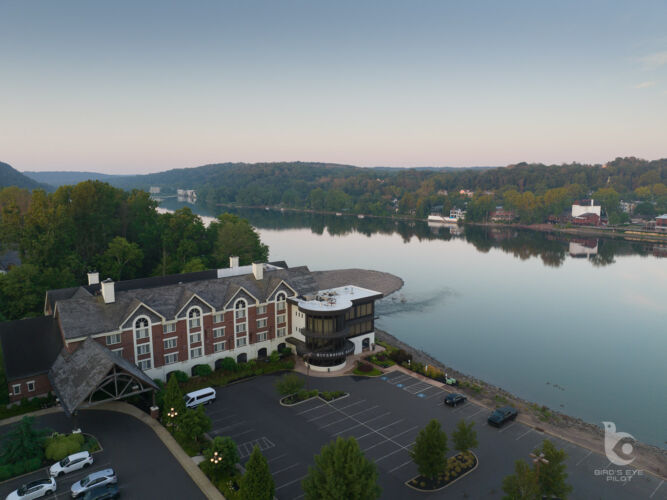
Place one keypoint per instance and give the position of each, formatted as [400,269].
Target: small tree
[257,482]
[173,398]
[220,458]
[288,384]
[194,424]
[464,436]
[522,485]
[430,450]
[552,475]
[23,442]
[341,471]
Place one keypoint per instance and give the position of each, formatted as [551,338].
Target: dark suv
[105,492]
[502,415]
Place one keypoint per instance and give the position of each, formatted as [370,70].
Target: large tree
[220,458]
[235,236]
[553,475]
[522,485]
[257,482]
[430,450]
[464,436]
[121,256]
[194,424]
[23,442]
[341,471]
[173,403]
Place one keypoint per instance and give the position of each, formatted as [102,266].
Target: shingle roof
[82,314]
[75,376]
[33,344]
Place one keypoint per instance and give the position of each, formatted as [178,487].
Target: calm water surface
[586,335]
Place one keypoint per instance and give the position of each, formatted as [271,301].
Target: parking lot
[385,415]
[143,465]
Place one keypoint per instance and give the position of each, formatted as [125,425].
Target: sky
[136,87]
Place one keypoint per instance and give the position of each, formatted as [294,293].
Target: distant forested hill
[12,177]
[58,179]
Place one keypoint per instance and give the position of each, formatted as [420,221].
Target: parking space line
[286,468]
[439,393]
[311,409]
[524,434]
[419,382]
[584,458]
[276,458]
[507,427]
[381,428]
[348,406]
[656,490]
[399,379]
[472,415]
[401,433]
[388,455]
[334,422]
[399,466]
[290,482]
[321,416]
[374,418]
[242,433]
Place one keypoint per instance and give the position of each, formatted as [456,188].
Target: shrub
[203,370]
[364,367]
[400,356]
[5,472]
[181,376]
[32,464]
[59,446]
[289,384]
[274,357]
[380,357]
[229,365]
[287,351]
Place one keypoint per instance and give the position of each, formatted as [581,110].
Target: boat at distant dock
[454,216]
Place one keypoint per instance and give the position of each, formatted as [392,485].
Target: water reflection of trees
[551,248]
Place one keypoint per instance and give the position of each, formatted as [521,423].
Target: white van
[202,396]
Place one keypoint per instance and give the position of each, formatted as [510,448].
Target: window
[144,348]
[194,318]
[261,337]
[261,310]
[218,317]
[141,328]
[261,323]
[280,302]
[240,309]
[170,328]
[219,346]
[241,341]
[31,386]
[239,328]
[113,339]
[281,318]
[144,364]
[195,337]
[118,351]
[171,358]
[281,331]
[170,343]
[218,332]
[16,389]
[195,353]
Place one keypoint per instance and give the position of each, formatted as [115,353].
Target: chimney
[258,270]
[233,261]
[591,202]
[93,278]
[108,291]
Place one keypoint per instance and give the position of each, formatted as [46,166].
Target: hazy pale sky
[134,87]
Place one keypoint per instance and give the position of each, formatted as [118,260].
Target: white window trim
[113,336]
[195,334]
[199,329]
[221,330]
[264,334]
[119,351]
[148,327]
[150,361]
[169,325]
[174,339]
[261,309]
[281,329]
[200,317]
[284,318]
[201,352]
[244,309]
[16,389]
[216,345]
[222,317]
[150,343]
[262,322]
[244,339]
[29,383]
[168,356]
[144,346]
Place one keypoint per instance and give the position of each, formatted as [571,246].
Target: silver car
[98,478]
[34,489]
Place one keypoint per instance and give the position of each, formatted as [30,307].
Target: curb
[195,473]
[448,484]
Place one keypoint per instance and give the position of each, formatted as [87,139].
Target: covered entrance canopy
[92,375]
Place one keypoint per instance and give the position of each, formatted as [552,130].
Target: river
[576,324]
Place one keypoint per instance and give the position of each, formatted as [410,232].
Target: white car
[73,462]
[35,489]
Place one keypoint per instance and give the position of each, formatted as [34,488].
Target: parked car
[97,478]
[74,462]
[202,396]
[34,489]
[502,415]
[454,399]
[103,492]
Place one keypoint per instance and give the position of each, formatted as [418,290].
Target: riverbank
[648,457]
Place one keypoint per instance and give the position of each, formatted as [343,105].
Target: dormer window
[194,318]
[240,309]
[141,328]
[280,301]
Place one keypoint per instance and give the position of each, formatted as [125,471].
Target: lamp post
[172,414]
[216,459]
[537,460]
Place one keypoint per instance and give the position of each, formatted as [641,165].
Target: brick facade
[42,387]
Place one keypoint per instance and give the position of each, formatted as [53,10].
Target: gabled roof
[33,343]
[75,376]
[83,312]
